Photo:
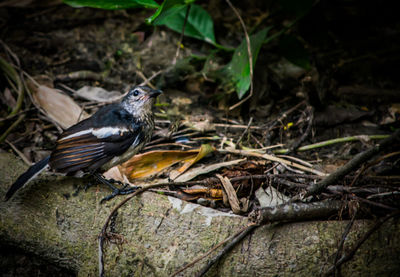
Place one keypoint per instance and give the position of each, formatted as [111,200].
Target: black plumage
[111,136]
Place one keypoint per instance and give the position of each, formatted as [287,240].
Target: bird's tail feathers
[26,177]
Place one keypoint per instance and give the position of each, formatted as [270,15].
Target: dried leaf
[204,169]
[204,150]
[98,94]
[58,106]
[231,193]
[270,197]
[150,163]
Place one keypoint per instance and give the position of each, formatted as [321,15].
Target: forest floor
[348,101]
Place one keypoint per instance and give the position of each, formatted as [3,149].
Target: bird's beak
[154,93]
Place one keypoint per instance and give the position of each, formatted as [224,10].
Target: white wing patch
[108,131]
[77,134]
[99,133]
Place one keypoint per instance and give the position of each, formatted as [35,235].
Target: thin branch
[238,237]
[307,132]
[244,132]
[248,53]
[182,34]
[331,142]
[344,236]
[353,251]
[8,131]
[295,212]
[353,164]
[208,252]
[103,232]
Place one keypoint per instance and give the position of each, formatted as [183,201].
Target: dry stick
[13,75]
[285,114]
[182,33]
[248,53]
[352,164]
[244,132]
[295,212]
[297,143]
[144,78]
[224,125]
[22,156]
[353,251]
[102,234]
[239,236]
[272,158]
[15,124]
[344,236]
[332,141]
[208,252]
[148,80]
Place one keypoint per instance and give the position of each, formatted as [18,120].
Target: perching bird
[111,136]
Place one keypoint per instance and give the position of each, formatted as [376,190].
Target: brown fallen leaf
[98,94]
[150,163]
[231,194]
[204,169]
[58,106]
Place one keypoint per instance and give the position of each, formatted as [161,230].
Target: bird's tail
[26,177]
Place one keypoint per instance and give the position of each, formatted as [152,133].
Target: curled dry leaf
[58,106]
[150,163]
[231,194]
[204,169]
[98,94]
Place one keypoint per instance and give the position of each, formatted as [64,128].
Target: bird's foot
[126,188]
[123,191]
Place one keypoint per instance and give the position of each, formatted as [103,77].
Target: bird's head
[140,100]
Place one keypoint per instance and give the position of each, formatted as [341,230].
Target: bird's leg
[115,191]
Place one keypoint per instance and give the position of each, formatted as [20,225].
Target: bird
[109,137]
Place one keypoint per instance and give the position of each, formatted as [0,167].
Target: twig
[344,236]
[352,164]
[272,158]
[224,125]
[297,143]
[248,53]
[300,161]
[148,80]
[14,77]
[237,238]
[285,114]
[295,212]
[20,154]
[8,131]
[103,232]
[86,75]
[182,34]
[353,251]
[332,141]
[244,132]
[208,252]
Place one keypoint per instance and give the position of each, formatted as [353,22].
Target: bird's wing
[89,148]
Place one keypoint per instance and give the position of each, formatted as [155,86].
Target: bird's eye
[136,92]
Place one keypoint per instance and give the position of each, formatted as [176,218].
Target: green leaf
[167,8]
[238,68]
[293,50]
[199,24]
[112,5]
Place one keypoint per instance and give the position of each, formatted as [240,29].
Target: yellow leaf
[150,163]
